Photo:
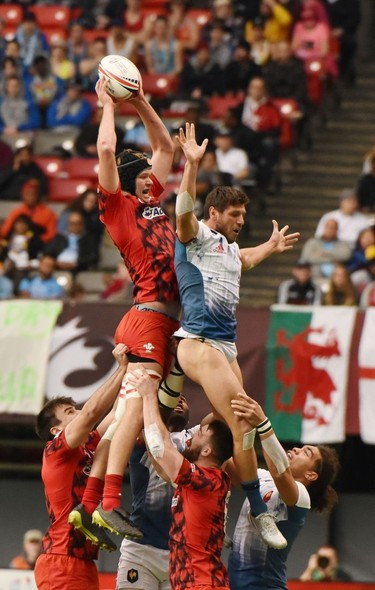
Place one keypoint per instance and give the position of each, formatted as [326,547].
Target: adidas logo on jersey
[219,248]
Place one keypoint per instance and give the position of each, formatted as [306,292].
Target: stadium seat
[286,108]
[55,34]
[218,105]
[52,166]
[160,85]
[316,74]
[91,34]
[51,16]
[200,15]
[11,14]
[82,168]
[67,189]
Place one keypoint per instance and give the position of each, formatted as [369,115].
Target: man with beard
[202,491]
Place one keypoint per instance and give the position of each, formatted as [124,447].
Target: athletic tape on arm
[154,440]
[184,203]
[276,453]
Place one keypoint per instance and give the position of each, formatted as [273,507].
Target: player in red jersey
[130,184]
[202,491]
[66,562]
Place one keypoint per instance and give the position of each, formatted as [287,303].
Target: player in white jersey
[208,265]
[296,482]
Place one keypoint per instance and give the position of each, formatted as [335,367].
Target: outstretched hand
[247,408]
[281,240]
[141,380]
[186,140]
[100,89]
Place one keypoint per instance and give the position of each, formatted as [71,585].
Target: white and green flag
[307,371]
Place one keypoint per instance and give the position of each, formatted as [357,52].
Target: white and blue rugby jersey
[208,271]
[252,565]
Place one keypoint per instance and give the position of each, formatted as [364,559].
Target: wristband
[264,426]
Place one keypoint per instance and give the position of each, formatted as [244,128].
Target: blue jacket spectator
[31,39]
[17,111]
[43,285]
[70,109]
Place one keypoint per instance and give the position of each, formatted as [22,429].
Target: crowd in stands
[250,75]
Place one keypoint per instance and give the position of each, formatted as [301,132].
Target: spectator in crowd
[31,40]
[241,69]
[220,44]
[119,42]
[323,566]
[42,285]
[341,290]
[322,253]
[136,137]
[136,23]
[278,21]
[201,77]
[344,16]
[195,114]
[6,285]
[301,289]
[61,65]
[365,240]
[285,77]
[75,249]
[9,69]
[231,160]
[310,38]
[44,85]
[17,111]
[351,221]
[88,67]
[70,110]
[85,142]
[226,11]
[260,50]
[43,218]
[77,45]
[361,278]
[20,249]
[163,53]
[184,28]
[23,168]
[32,547]
[13,50]
[366,187]
[87,205]
[260,115]
[209,176]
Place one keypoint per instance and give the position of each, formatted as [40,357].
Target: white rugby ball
[123,76]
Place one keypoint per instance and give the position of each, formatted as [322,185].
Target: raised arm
[156,434]
[77,431]
[160,140]
[279,242]
[186,221]
[106,142]
[274,454]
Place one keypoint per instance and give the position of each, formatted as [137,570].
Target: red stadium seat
[200,15]
[11,14]
[218,105]
[160,85]
[52,166]
[286,108]
[55,34]
[51,16]
[82,168]
[316,74]
[64,190]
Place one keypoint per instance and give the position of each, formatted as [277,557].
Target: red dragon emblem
[301,375]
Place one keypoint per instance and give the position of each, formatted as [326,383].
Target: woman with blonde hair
[341,290]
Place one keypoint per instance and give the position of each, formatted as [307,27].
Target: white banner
[366,371]
[17,580]
[25,332]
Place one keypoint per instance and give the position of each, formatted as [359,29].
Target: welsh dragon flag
[307,370]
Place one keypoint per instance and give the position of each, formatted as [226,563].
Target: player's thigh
[143,567]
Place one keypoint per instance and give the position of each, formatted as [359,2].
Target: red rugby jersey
[64,474]
[197,530]
[145,238]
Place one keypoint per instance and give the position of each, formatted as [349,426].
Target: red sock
[92,494]
[112,491]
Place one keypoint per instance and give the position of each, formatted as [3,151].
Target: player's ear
[311,476]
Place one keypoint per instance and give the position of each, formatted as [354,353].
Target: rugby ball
[123,76]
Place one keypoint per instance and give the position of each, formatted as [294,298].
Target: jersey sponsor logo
[174,501]
[132,576]
[267,496]
[151,212]
[148,347]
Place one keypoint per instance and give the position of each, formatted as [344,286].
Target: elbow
[105,148]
